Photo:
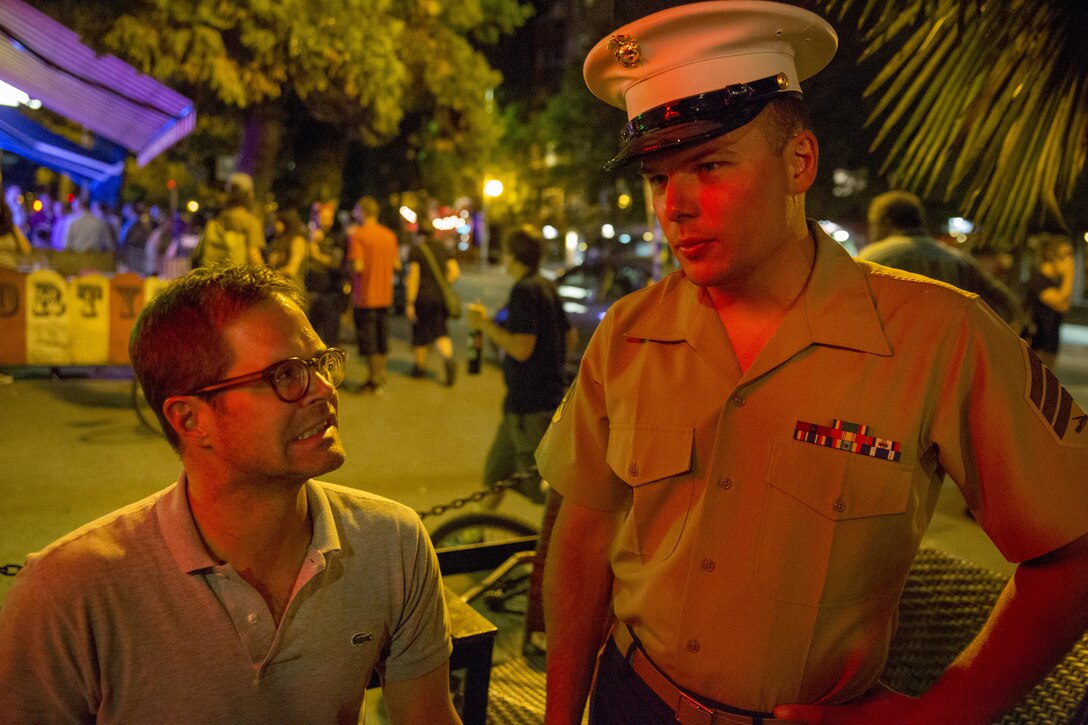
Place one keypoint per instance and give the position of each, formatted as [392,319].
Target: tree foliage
[361,66]
[587,131]
[986,100]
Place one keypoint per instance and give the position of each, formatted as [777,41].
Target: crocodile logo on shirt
[361,638]
[1054,403]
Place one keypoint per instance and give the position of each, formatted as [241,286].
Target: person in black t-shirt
[535,339]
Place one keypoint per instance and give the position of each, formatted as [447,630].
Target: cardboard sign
[46,319]
[89,318]
[126,301]
[152,286]
[48,334]
[12,317]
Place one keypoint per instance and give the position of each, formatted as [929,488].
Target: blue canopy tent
[102,93]
[98,168]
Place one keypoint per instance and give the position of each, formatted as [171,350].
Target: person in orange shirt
[373,255]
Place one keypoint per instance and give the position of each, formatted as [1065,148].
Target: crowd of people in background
[342,260]
[1032,292]
[138,235]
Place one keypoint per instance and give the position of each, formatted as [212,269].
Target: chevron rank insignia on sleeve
[1053,403]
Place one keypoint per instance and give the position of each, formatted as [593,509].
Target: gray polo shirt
[128,619]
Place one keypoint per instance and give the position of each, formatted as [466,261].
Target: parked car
[588,290]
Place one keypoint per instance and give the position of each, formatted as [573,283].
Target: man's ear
[803,156]
[182,412]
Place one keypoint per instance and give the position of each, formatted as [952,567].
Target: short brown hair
[898,211]
[1048,245]
[784,118]
[368,205]
[525,245]
[177,344]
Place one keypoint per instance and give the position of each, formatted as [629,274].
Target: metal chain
[499,487]
[480,495]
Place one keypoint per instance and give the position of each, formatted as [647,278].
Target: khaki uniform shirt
[758,564]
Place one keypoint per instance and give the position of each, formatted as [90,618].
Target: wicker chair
[945,602]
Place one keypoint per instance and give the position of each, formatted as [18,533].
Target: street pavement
[72,448]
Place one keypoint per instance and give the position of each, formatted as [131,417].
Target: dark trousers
[620,697]
[325,309]
[372,330]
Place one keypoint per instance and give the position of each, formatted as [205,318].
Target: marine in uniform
[755,445]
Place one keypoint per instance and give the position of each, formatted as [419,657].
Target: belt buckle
[692,712]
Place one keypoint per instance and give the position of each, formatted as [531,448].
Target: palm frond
[984,102]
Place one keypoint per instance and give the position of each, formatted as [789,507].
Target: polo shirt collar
[835,309]
[179,530]
[187,547]
[325,538]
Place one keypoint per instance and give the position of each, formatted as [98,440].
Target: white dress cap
[700,48]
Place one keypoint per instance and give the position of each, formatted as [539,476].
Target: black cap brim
[680,135]
[698,118]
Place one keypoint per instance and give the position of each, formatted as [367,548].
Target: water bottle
[475,351]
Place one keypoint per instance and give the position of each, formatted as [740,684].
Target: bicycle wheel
[477,528]
[504,590]
[143,411]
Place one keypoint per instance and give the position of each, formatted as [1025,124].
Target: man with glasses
[247,591]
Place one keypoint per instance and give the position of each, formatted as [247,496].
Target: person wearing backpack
[235,236]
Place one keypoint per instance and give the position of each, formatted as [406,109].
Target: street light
[492,189]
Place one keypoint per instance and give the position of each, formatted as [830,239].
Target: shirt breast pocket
[835,527]
[655,461]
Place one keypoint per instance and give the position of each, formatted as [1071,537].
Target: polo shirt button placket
[725,483]
[693,646]
[739,400]
[708,565]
